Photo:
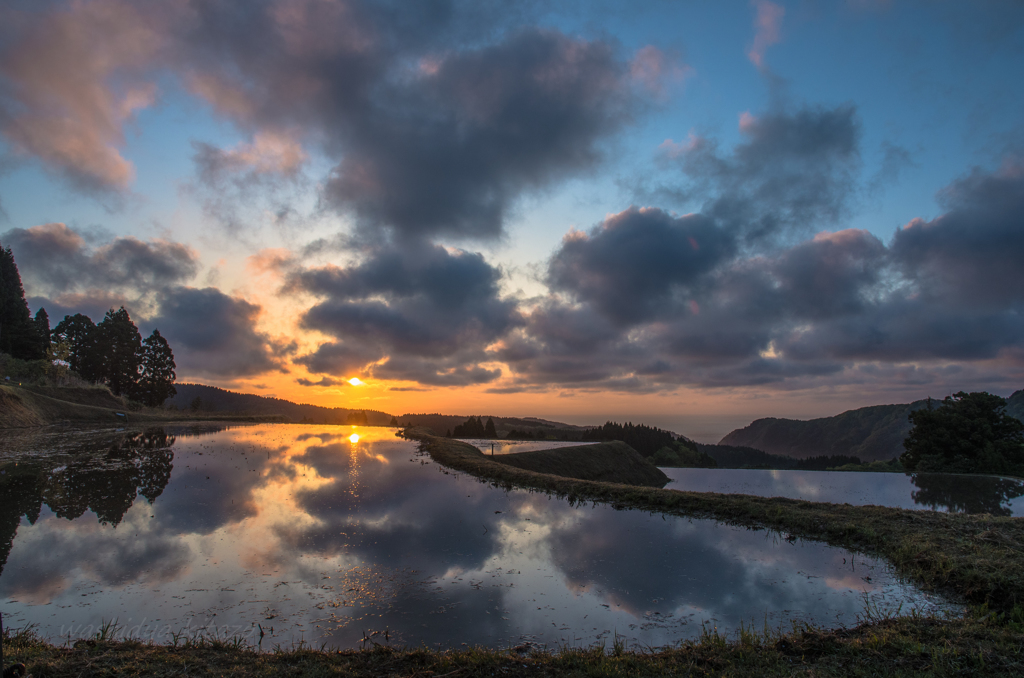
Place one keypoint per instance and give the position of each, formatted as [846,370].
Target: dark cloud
[429,309]
[326,381]
[479,128]
[452,372]
[340,358]
[829,275]
[971,255]
[439,116]
[796,171]
[630,265]
[938,303]
[215,334]
[54,259]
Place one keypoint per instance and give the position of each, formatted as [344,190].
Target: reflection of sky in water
[513,446]
[300,530]
[935,491]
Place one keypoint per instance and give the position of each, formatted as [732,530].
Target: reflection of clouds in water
[729,572]
[49,555]
[326,533]
[395,516]
[211,490]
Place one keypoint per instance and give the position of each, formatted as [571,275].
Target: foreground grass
[893,647]
[977,559]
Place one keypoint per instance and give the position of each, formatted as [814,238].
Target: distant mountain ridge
[441,423]
[874,433]
[219,400]
[214,399]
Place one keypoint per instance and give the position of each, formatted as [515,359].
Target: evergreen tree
[77,330]
[489,430]
[156,378]
[18,336]
[356,419]
[644,439]
[117,352]
[969,433]
[42,323]
[472,428]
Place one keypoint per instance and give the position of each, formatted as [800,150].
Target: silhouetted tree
[471,428]
[357,418]
[489,430]
[969,433]
[644,439]
[117,351]
[77,330]
[42,323]
[18,335]
[156,378]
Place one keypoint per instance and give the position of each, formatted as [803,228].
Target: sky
[683,213]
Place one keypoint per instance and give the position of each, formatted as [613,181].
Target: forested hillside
[213,399]
[873,433]
[540,428]
[1015,405]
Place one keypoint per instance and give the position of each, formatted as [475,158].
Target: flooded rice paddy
[334,535]
[924,491]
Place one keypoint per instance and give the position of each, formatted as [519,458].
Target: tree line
[474,427]
[644,439]
[111,352]
[967,433]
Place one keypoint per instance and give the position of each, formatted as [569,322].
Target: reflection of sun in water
[354,438]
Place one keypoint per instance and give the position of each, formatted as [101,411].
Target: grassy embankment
[22,407]
[602,462]
[973,558]
[894,647]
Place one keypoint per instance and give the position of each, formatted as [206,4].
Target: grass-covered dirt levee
[613,462]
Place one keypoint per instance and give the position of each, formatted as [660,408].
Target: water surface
[932,491]
[332,534]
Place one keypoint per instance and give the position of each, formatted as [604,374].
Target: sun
[356,381]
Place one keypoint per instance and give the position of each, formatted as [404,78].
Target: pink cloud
[268,153]
[75,78]
[747,122]
[768,23]
[654,69]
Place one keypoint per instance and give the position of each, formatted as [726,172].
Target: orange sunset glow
[691,217]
